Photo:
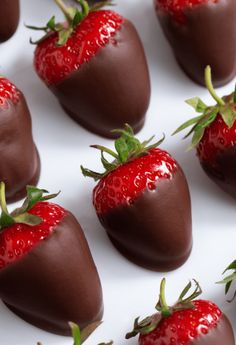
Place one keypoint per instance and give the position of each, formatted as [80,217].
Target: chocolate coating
[9,18]
[20,163]
[155,231]
[224,171]
[56,282]
[208,38]
[221,334]
[112,89]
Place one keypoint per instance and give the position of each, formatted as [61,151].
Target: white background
[128,290]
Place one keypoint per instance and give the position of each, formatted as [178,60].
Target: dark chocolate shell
[112,89]
[156,230]
[20,163]
[223,172]
[56,282]
[221,334]
[207,38]
[9,18]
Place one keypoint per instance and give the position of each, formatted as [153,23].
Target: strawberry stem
[3,202]
[209,85]
[161,305]
[65,10]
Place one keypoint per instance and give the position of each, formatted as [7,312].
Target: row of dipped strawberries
[123,195]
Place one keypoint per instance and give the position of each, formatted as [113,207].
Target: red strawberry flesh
[217,137]
[123,185]
[54,63]
[18,239]
[184,326]
[176,8]
[8,91]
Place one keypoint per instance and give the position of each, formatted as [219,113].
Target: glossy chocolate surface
[155,231]
[224,171]
[20,163]
[112,89]
[208,38]
[9,18]
[56,282]
[222,334]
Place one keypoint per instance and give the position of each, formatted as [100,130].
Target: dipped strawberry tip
[225,107]
[127,147]
[229,279]
[73,16]
[21,214]
[150,323]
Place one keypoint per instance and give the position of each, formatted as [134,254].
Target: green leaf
[77,19]
[228,114]
[51,24]
[101,4]
[197,136]
[208,118]
[187,124]
[185,291]
[29,219]
[6,220]
[232,266]
[90,173]
[197,104]
[122,149]
[64,36]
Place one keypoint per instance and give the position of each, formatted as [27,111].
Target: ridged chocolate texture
[208,38]
[222,334]
[56,282]
[156,230]
[112,89]
[224,171]
[20,163]
[9,18]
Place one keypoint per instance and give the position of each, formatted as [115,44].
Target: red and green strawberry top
[176,8]
[181,324]
[135,167]
[8,92]
[215,129]
[69,45]
[23,228]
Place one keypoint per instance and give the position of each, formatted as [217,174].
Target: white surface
[128,290]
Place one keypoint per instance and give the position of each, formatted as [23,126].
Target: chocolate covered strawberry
[188,322]
[192,29]
[142,200]
[96,66]
[9,18]
[20,163]
[47,274]
[214,136]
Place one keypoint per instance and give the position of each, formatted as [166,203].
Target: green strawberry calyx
[21,214]
[225,107]
[127,149]
[73,16]
[150,323]
[228,280]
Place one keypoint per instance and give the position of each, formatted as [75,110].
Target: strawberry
[17,149]
[96,66]
[133,199]
[192,29]
[47,274]
[189,321]
[214,136]
[9,18]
